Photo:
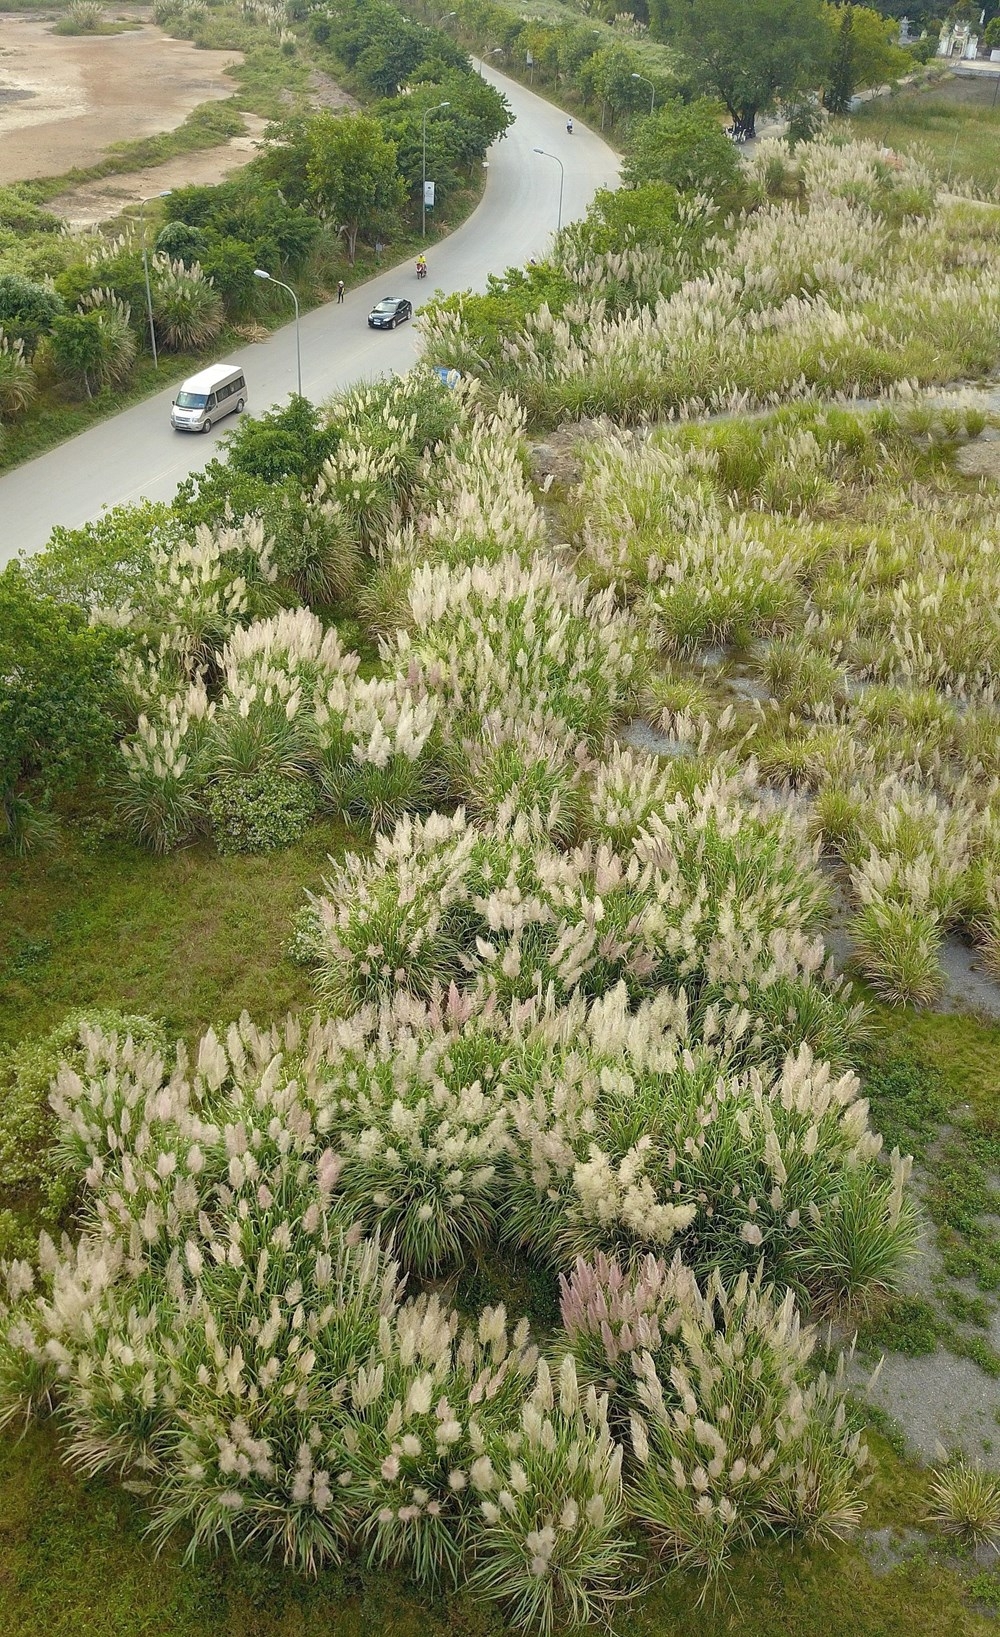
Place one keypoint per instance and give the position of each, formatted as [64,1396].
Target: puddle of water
[641,735]
[747,687]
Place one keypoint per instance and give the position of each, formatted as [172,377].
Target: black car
[389,312]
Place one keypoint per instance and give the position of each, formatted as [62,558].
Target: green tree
[180,242]
[864,52]
[230,263]
[842,77]
[78,347]
[750,53]
[59,682]
[684,145]
[353,175]
[27,309]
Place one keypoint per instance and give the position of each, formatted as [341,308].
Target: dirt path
[95,202]
[64,99]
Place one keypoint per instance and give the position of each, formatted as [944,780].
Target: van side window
[222,393]
[239,385]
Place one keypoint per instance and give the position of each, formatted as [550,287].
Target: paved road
[136,454]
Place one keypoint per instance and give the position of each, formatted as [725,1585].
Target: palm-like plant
[17,379]
[187,309]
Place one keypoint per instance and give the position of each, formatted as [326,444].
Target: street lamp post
[259,273]
[423,173]
[652,90]
[145,268]
[562,178]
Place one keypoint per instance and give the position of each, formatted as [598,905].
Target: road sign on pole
[428,193]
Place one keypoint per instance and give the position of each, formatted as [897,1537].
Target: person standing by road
[340,292]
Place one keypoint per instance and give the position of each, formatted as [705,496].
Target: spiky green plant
[965,1501]
[187,309]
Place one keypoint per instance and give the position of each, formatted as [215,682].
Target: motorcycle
[421,270]
[569,127]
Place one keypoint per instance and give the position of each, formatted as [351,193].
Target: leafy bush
[259,812]
[57,706]
[683,145]
[27,309]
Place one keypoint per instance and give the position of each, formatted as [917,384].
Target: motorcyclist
[569,126]
[421,267]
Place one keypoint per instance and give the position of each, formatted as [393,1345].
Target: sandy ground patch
[64,99]
[96,202]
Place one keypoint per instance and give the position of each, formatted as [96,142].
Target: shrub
[36,1191]
[57,708]
[548,1541]
[27,309]
[732,1439]
[178,242]
[17,379]
[684,145]
[965,1501]
[92,348]
[259,812]
[187,310]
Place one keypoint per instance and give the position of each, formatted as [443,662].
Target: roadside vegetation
[473,917]
[327,189]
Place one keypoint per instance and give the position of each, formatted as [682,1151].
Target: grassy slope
[195,938]
[956,126]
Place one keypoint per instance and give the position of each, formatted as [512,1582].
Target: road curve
[135,454]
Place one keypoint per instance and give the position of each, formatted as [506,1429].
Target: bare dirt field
[92,203]
[64,99]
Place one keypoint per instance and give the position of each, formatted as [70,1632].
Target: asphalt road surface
[136,454]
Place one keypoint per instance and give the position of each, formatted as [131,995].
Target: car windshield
[192,400]
[386,306]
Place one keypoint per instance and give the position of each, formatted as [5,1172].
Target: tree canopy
[683,144]
[353,175]
[864,52]
[748,53]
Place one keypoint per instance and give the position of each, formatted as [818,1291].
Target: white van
[207,396]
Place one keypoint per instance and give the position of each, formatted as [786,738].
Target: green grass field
[955,126]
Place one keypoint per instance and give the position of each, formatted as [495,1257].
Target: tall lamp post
[145,267]
[562,178]
[259,273]
[652,90]
[423,171]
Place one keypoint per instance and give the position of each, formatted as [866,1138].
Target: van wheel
[239,406]
[207,426]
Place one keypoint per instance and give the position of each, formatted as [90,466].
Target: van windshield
[192,400]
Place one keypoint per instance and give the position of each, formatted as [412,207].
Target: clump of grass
[965,1501]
